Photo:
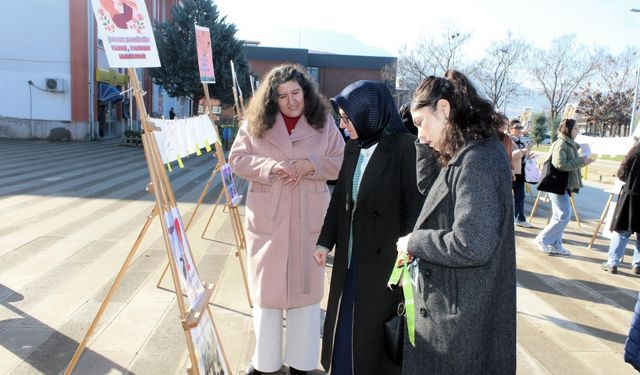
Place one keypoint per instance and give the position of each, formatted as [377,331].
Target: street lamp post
[635,92]
[634,104]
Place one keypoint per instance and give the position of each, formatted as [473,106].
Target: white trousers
[302,347]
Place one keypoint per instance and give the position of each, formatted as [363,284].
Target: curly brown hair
[263,107]
[471,117]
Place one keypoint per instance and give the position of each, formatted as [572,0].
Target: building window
[314,73]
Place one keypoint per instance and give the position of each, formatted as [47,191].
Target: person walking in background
[463,243]
[519,152]
[565,158]
[287,149]
[626,217]
[102,119]
[172,114]
[375,202]
[226,137]
[506,140]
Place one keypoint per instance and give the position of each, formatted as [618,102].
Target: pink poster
[205,56]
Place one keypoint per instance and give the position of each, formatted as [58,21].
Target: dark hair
[566,127]
[263,107]
[471,117]
[407,119]
[503,118]
[514,122]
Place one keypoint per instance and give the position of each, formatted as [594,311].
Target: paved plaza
[71,213]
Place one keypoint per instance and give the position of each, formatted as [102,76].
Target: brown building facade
[332,72]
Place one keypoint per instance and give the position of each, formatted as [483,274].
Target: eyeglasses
[344,118]
[518,127]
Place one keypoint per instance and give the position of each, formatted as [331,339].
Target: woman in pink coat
[287,150]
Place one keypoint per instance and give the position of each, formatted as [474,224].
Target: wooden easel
[234,212]
[535,207]
[160,186]
[615,190]
[601,221]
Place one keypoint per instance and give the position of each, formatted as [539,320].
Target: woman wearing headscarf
[375,201]
[287,149]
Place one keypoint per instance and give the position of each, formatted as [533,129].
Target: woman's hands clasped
[292,171]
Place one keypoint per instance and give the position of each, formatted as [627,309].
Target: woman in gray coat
[463,243]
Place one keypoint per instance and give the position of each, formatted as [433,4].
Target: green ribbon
[409,308]
[401,271]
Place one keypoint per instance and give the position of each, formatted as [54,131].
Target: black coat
[627,214]
[387,208]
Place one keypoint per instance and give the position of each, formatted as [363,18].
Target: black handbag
[394,329]
[553,180]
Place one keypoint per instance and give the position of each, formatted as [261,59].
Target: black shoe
[609,268]
[636,269]
[295,371]
[252,371]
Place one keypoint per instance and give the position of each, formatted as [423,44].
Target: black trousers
[342,360]
[518,198]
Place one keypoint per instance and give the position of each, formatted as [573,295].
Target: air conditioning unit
[54,84]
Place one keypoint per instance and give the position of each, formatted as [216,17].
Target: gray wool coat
[465,297]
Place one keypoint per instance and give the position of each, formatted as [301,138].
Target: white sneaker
[547,249]
[562,251]
[524,224]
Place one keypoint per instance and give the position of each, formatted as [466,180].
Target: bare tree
[497,73]
[605,102]
[560,69]
[430,56]
[616,73]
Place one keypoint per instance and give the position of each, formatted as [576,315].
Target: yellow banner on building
[111,77]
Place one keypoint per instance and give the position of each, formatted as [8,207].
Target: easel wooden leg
[202,195]
[240,245]
[237,219]
[215,207]
[527,189]
[604,214]
[575,211]
[114,287]
[535,206]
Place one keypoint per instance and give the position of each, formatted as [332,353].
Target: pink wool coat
[283,221]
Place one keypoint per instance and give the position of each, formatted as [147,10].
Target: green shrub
[538,127]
